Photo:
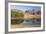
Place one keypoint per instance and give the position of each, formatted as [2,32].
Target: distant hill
[15,10]
[17,13]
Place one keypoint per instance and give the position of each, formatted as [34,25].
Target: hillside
[17,13]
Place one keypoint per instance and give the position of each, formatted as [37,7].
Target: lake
[32,21]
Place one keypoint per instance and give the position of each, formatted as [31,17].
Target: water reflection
[32,21]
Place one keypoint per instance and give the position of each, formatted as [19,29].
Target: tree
[38,12]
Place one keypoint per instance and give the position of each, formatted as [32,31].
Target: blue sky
[20,7]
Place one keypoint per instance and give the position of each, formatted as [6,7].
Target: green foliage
[16,21]
[19,21]
[17,13]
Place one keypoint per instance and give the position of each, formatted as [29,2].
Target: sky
[20,7]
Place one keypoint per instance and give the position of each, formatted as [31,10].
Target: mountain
[16,13]
[15,10]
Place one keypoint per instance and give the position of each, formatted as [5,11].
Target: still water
[33,21]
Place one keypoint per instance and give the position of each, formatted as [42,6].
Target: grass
[24,26]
